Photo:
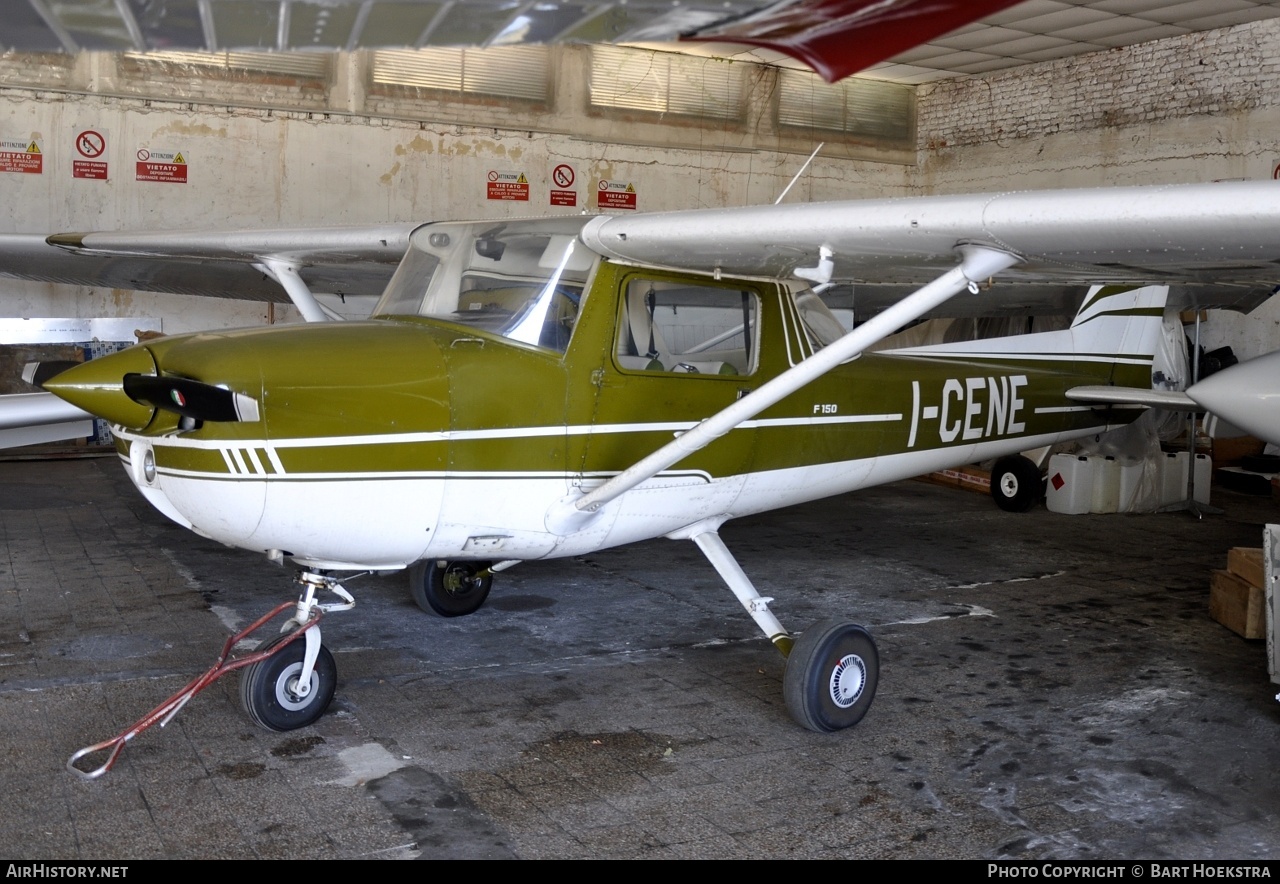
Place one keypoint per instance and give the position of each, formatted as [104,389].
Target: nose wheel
[275,696]
[293,686]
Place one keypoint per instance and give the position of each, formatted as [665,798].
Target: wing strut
[287,275]
[978,264]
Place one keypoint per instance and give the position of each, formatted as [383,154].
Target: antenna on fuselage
[796,178]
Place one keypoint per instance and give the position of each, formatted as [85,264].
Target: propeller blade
[36,373]
[190,398]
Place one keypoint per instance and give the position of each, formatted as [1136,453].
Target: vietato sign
[616,195]
[507,186]
[22,156]
[167,166]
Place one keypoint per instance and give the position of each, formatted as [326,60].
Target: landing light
[142,463]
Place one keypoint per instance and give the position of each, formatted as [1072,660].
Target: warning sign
[90,160]
[562,178]
[21,156]
[508,186]
[162,165]
[615,195]
[563,175]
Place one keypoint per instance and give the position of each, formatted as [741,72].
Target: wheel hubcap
[1009,485]
[287,689]
[847,680]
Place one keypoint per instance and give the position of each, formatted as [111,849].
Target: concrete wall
[351,156]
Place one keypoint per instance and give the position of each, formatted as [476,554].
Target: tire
[450,589]
[831,676]
[1016,484]
[265,687]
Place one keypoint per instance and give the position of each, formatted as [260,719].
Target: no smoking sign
[91,164]
[91,144]
[562,178]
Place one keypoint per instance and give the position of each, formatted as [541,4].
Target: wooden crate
[1237,605]
[966,478]
[1246,562]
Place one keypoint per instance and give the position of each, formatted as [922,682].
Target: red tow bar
[165,712]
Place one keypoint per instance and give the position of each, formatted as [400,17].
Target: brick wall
[1224,71]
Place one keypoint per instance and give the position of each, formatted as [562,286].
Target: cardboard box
[1237,605]
[1246,562]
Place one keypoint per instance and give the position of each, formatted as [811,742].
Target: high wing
[256,265]
[1216,242]
[1208,241]
[32,418]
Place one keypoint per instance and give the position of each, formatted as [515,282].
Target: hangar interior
[1041,95]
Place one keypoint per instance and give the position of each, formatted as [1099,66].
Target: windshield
[523,280]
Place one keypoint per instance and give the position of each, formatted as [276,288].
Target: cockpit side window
[687,328]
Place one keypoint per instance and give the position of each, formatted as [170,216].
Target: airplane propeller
[125,388]
[190,398]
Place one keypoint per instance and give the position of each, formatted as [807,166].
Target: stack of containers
[1082,483]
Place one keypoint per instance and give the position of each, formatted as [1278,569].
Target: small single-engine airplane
[541,388]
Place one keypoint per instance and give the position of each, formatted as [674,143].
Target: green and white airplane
[533,389]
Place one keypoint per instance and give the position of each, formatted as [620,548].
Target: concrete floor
[1051,687]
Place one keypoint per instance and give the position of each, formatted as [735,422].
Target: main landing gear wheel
[451,589]
[268,688]
[831,676]
[1016,484]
